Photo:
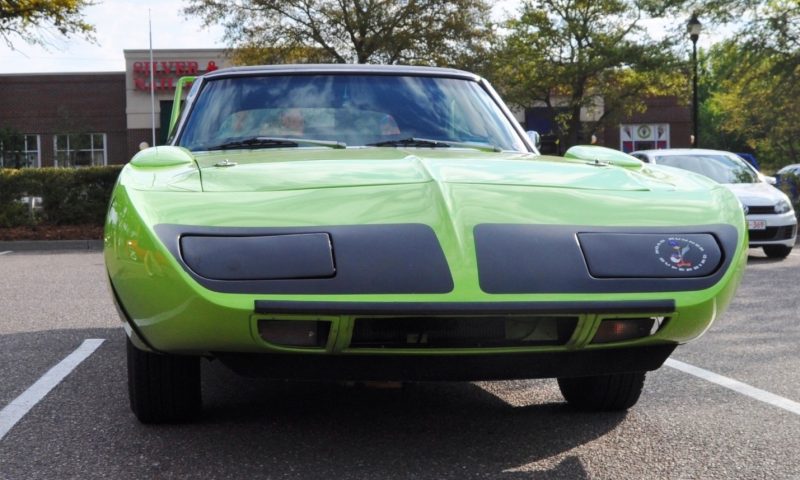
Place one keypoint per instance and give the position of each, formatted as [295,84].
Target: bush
[70,196]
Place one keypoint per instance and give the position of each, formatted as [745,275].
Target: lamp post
[693,28]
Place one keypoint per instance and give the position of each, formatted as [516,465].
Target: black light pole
[694,27]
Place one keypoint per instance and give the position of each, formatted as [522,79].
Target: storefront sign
[166,73]
[643,136]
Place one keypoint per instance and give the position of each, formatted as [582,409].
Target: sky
[120,25]
[123,24]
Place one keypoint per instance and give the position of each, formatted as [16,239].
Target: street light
[693,28]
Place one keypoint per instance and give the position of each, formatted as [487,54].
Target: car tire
[777,251]
[618,391]
[163,388]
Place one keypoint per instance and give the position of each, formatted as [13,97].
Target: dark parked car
[787,180]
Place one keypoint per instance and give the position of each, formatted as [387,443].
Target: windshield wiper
[429,143]
[273,142]
[411,142]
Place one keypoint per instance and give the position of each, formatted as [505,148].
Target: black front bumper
[579,363]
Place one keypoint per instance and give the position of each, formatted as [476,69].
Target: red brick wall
[137,136]
[51,104]
[659,110]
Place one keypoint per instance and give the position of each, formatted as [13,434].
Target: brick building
[80,119]
[61,114]
[665,123]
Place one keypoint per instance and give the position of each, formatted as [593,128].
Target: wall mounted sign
[166,73]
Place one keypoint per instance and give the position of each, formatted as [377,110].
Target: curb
[50,245]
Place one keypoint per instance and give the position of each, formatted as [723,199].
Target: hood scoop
[601,156]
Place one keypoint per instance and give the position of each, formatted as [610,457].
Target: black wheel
[619,391]
[777,251]
[163,388]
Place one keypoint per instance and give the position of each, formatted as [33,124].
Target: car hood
[452,190]
[300,169]
[756,194]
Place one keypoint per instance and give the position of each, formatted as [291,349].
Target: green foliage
[76,196]
[433,32]
[760,24]
[749,91]
[252,54]
[715,68]
[569,55]
[27,20]
[754,97]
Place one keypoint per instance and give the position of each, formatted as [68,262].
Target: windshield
[720,168]
[355,110]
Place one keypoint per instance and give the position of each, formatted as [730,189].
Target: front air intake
[461,332]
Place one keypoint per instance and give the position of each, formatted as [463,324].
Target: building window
[20,151]
[80,150]
[643,136]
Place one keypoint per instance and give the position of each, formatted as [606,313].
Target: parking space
[683,427]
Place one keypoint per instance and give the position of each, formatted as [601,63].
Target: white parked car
[771,220]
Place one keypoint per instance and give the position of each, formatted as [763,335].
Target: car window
[353,109]
[720,168]
[641,157]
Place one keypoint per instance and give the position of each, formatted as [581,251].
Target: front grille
[773,233]
[461,332]
[758,210]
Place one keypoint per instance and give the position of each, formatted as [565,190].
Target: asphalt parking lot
[685,425]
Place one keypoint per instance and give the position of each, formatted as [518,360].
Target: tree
[753,79]
[714,66]
[757,99]
[31,20]
[569,55]
[771,24]
[437,32]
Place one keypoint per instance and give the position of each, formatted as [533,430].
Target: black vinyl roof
[340,68]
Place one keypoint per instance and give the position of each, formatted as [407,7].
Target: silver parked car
[771,220]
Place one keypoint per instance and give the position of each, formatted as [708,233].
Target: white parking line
[14,411]
[736,386]
[7,251]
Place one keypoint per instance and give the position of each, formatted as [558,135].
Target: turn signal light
[619,329]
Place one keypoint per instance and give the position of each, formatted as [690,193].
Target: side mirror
[535,138]
[770,180]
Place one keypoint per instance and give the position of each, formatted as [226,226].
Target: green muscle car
[396,223]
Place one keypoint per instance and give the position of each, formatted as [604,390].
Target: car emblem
[681,254]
